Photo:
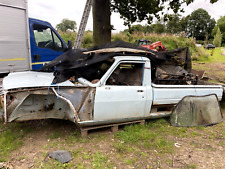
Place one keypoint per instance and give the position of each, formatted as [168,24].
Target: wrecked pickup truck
[125,92]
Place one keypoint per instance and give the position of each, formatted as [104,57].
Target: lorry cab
[45,43]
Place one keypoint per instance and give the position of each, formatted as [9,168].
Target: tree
[148,29]
[131,11]
[101,21]
[220,24]
[173,25]
[184,24]
[135,28]
[66,24]
[158,28]
[200,24]
[217,38]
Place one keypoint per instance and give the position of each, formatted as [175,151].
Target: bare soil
[215,71]
[223,52]
[206,150]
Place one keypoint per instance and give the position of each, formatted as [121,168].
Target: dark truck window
[46,38]
[127,74]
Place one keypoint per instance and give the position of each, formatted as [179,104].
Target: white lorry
[26,43]
[124,93]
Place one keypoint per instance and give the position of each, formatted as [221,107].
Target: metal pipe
[70,104]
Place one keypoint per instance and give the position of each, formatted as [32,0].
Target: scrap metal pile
[168,67]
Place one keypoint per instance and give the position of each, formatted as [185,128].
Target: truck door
[45,45]
[123,96]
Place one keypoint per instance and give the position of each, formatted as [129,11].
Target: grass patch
[151,136]
[215,55]
[99,160]
[191,166]
[51,163]
[208,56]
[130,161]
[11,138]
[81,159]
[55,134]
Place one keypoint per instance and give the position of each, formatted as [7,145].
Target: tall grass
[170,41]
[68,36]
[87,40]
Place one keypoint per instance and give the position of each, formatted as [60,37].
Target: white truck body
[14,39]
[89,104]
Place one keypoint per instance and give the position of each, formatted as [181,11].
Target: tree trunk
[101,22]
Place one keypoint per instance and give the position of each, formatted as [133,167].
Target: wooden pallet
[113,127]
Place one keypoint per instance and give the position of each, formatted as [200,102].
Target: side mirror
[69,45]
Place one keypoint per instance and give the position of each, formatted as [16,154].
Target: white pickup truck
[124,93]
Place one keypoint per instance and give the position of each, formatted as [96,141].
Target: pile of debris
[168,67]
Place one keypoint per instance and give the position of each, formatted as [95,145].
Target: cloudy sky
[54,11]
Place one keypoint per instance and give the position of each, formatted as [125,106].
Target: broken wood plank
[117,50]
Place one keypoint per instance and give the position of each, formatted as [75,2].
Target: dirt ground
[215,71]
[204,148]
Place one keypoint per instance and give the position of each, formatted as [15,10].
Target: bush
[168,40]
[87,40]
[217,38]
[68,36]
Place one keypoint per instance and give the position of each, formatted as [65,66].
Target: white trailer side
[14,36]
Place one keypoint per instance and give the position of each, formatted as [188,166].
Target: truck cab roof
[38,21]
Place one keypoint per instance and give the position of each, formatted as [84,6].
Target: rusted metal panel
[82,99]
[35,106]
[50,103]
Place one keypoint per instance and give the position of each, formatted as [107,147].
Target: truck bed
[172,94]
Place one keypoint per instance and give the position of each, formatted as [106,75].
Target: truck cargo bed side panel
[172,94]
[14,44]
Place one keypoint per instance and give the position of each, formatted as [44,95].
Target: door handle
[139,91]
[37,58]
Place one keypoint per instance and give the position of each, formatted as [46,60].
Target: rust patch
[83,99]
[2,101]
[9,100]
[49,106]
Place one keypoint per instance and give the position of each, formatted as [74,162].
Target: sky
[54,11]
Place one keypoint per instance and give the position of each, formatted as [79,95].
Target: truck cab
[46,44]
[26,43]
